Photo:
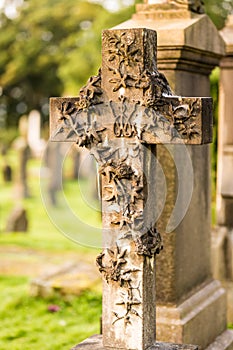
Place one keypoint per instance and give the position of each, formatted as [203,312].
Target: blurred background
[49,282]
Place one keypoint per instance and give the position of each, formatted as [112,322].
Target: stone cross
[120,116]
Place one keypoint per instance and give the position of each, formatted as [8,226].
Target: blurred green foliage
[49,49]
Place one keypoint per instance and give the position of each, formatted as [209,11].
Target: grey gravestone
[120,116]
[7,173]
[23,155]
[54,159]
[17,221]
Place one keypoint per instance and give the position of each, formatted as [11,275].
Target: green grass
[27,324]
[49,227]
[25,321]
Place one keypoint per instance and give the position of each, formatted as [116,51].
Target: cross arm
[168,120]
[130,98]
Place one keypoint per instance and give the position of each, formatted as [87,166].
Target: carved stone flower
[116,170]
[119,81]
[89,134]
[112,270]
[66,109]
[122,50]
[184,123]
[149,243]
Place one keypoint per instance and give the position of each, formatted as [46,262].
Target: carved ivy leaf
[112,193]
[110,252]
[121,220]
[59,131]
[134,312]
[66,109]
[195,108]
[70,134]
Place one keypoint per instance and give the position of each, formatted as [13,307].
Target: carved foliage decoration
[123,189]
[149,243]
[168,119]
[116,267]
[83,125]
[144,106]
[91,93]
[156,111]
[126,68]
[123,186]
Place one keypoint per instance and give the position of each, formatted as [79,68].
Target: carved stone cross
[120,116]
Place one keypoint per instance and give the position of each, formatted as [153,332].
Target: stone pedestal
[95,343]
[189,47]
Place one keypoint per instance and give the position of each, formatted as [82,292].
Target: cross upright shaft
[120,116]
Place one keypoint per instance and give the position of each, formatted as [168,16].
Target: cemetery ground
[56,321]
[27,321]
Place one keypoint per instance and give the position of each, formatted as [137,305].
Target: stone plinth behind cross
[120,116]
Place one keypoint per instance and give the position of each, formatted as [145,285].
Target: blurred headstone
[7,173]
[17,220]
[23,154]
[6,168]
[54,159]
[75,155]
[35,142]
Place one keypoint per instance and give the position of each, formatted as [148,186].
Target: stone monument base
[95,343]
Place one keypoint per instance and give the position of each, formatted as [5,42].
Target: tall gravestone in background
[120,116]
[23,154]
[223,234]
[189,47]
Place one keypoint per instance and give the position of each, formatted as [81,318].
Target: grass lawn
[73,227]
[26,322]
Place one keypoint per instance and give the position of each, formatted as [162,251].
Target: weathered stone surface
[228,285]
[68,279]
[226,34]
[95,343]
[222,263]
[168,125]
[219,247]
[225,138]
[186,57]
[130,98]
[119,115]
[189,322]
[182,46]
[171,8]
[223,341]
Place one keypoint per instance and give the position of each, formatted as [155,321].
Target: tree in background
[35,48]
[218,10]
[48,49]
